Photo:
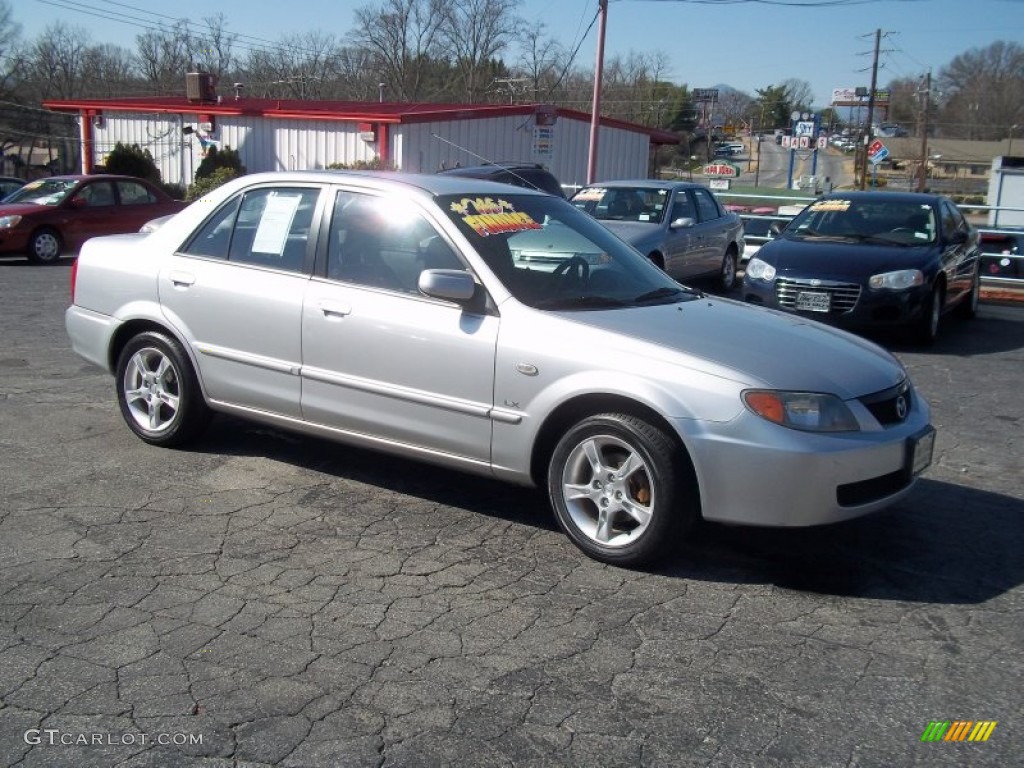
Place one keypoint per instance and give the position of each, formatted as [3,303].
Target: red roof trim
[299,109]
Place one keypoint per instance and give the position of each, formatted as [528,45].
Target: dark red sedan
[50,216]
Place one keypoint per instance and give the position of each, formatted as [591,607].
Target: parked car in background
[867,260]
[49,216]
[9,184]
[1002,253]
[680,226]
[528,175]
[389,311]
[758,229]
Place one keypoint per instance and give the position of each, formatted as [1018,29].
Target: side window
[949,219]
[379,243]
[706,205]
[99,194]
[272,228]
[682,206]
[133,193]
[956,216]
[214,238]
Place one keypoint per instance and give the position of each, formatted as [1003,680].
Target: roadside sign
[727,170]
[877,152]
[720,184]
[805,142]
[822,142]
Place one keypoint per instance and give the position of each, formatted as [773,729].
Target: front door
[382,359]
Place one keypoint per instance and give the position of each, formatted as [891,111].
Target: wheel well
[657,259]
[127,332]
[579,408]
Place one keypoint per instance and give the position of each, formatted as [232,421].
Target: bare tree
[475,33]
[403,36]
[799,93]
[982,92]
[212,50]
[300,67]
[541,62]
[165,55]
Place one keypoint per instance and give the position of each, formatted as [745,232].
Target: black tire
[45,246]
[158,392]
[727,272]
[927,329]
[968,308]
[645,511]
[657,260]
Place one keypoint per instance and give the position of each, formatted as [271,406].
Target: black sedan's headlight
[897,281]
[758,269]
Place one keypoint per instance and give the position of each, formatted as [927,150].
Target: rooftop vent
[200,87]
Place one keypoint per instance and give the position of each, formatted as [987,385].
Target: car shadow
[945,543]
[996,328]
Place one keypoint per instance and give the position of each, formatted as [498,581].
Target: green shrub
[360,165]
[132,161]
[216,159]
[202,186]
[177,191]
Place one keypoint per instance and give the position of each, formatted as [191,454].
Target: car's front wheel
[621,489]
[969,306]
[927,329]
[44,246]
[158,391]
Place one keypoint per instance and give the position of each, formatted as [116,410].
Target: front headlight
[760,270]
[9,222]
[897,281]
[810,411]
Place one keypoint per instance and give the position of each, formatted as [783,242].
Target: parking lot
[269,599]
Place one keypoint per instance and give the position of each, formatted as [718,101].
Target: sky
[746,45]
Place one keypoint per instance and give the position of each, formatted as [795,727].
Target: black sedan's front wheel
[927,329]
[620,489]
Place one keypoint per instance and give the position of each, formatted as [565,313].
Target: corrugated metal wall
[427,147]
[270,144]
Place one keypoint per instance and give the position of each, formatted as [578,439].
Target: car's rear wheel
[927,329]
[44,246]
[727,273]
[621,489]
[158,391]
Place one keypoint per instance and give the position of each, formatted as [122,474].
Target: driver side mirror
[775,228]
[683,222]
[958,237]
[78,202]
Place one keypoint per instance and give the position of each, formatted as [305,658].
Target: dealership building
[283,134]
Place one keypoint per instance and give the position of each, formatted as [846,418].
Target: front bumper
[872,308]
[754,472]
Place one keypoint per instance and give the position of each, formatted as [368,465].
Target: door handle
[182,279]
[334,308]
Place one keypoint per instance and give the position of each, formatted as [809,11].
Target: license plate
[921,448]
[812,301]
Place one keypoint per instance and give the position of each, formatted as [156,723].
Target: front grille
[843,296]
[885,405]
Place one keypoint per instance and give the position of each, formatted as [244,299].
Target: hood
[24,209]
[842,260]
[763,347]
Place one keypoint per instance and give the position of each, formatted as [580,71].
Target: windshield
[43,192]
[877,220]
[551,256]
[623,203]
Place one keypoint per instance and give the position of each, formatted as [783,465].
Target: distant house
[279,134]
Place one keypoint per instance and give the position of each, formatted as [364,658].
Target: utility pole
[923,171]
[595,116]
[871,110]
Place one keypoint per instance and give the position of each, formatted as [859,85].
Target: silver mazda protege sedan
[501,331]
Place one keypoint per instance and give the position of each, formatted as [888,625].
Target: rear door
[712,231]
[235,291]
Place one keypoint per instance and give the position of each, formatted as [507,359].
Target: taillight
[74,276]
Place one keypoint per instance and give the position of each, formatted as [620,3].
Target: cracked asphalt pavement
[265,599]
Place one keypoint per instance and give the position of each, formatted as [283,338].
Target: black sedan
[871,260]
